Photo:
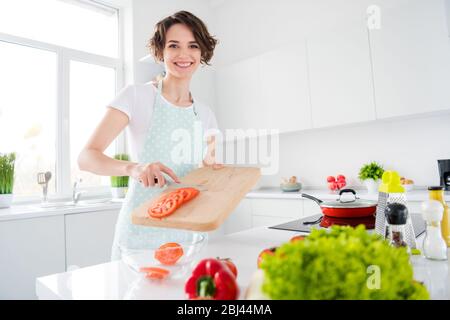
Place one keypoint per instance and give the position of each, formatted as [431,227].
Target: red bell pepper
[212,279]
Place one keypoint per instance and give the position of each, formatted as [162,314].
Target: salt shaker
[396,217]
[434,246]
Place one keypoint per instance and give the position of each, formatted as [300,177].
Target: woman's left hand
[214,166]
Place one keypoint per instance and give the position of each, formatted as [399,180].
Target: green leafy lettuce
[340,263]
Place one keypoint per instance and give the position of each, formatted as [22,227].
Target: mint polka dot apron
[158,147]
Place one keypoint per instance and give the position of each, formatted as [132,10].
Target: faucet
[76,195]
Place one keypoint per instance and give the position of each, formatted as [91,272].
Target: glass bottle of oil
[437,193]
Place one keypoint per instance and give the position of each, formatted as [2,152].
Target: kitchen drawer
[283,208]
[265,221]
[89,237]
[240,219]
[29,248]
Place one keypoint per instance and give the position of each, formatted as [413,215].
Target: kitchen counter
[323,194]
[28,211]
[115,280]
[33,210]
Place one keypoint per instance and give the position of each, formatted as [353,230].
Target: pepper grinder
[434,246]
[396,217]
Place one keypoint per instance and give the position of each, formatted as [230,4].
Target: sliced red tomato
[155,272]
[163,209]
[169,253]
[169,202]
[178,197]
[188,193]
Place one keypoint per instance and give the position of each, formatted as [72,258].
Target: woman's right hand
[147,173]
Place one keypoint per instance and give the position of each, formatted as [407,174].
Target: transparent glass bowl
[141,254]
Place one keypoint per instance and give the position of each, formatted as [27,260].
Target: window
[76,24]
[91,87]
[28,112]
[55,83]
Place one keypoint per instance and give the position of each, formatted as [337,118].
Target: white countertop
[28,211]
[115,280]
[323,194]
[33,211]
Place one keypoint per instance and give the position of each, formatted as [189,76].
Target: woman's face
[181,53]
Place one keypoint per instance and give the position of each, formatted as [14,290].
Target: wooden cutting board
[225,188]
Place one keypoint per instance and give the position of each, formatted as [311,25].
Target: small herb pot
[6,200]
[372,185]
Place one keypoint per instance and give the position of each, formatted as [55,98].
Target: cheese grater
[391,191]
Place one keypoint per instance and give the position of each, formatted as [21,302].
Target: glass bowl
[141,253]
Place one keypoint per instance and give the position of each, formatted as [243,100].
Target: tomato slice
[177,197]
[163,209]
[169,202]
[155,272]
[188,193]
[169,253]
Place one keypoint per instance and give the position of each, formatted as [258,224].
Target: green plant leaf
[371,170]
[121,181]
[7,162]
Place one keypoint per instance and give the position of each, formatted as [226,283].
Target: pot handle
[347,190]
[307,196]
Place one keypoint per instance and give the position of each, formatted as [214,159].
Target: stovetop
[419,224]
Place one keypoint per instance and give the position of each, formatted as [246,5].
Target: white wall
[409,146]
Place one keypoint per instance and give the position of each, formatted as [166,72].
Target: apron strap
[160,86]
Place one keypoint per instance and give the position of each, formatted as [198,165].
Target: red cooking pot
[353,208]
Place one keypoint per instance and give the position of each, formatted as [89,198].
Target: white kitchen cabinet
[279,208]
[310,208]
[284,88]
[89,237]
[238,96]
[29,248]
[240,219]
[266,221]
[340,74]
[410,53]
[270,212]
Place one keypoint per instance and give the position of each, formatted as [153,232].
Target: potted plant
[119,185]
[370,174]
[6,179]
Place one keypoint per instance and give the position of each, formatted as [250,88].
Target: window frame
[64,56]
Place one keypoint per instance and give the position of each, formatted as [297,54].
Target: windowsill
[30,207]
[88,194]
[30,211]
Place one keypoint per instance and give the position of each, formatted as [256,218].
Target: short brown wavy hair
[206,42]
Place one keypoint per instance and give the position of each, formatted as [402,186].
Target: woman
[152,113]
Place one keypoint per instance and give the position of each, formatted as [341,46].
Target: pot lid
[353,202]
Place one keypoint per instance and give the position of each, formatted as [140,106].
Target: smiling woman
[153,114]
[204,43]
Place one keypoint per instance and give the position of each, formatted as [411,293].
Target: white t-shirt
[137,101]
